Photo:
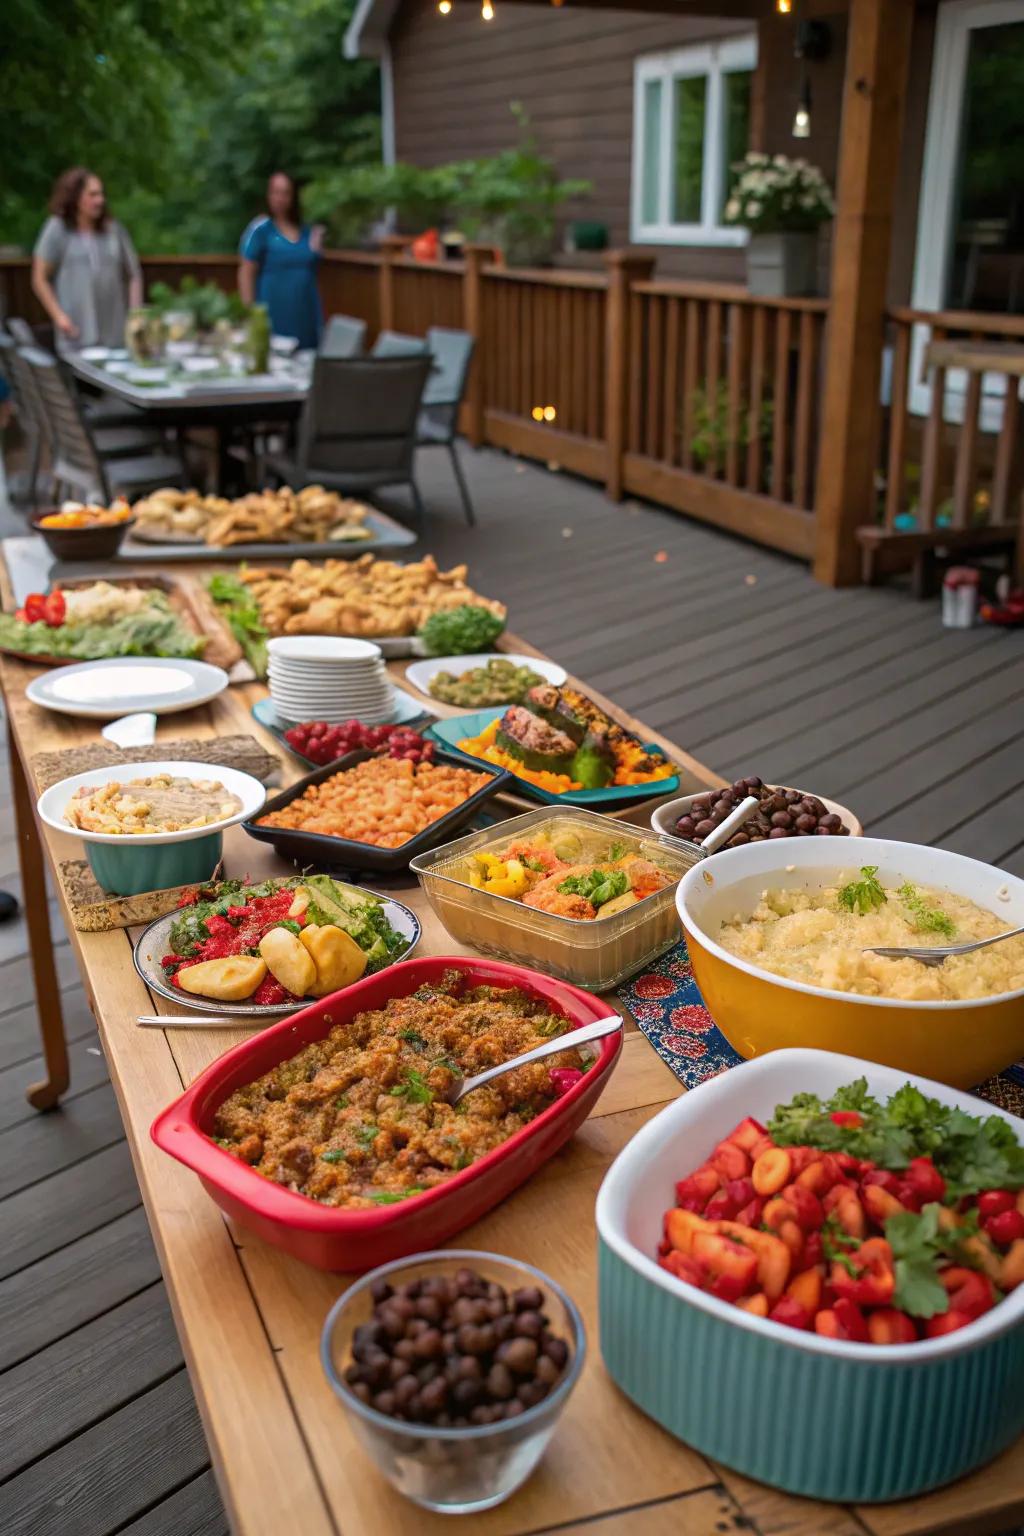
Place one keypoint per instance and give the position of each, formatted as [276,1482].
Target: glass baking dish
[597,953]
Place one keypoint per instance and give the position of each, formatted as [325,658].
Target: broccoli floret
[460,631]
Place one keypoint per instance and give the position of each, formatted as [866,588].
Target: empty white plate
[102,690]
[328,648]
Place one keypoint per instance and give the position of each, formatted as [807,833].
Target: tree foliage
[182,106]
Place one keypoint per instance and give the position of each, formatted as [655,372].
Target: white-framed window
[970,225]
[691,121]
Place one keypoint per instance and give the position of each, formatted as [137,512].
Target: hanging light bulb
[783,7]
[444,6]
[802,116]
[487,11]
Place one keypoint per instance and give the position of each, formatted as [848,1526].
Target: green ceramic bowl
[815,1416]
[127,870]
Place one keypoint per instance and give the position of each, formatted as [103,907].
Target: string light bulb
[802,116]
[487,11]
[783,7]
[444,6]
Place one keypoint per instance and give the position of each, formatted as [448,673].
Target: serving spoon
[937,953]
[460,1085]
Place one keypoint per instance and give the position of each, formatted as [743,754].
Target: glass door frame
[956,20]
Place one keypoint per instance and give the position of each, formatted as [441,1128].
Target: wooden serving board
[242,752]
[96,911]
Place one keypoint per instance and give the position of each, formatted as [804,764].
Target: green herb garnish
[616,851]
[341,1103]
[535,865]
[416,1041]
[392,1196]
[367,1134]
[920,1248]
[333,1155]
[549,1028]
[837,1244]
[598,886]
[864,895]
[926,919]
[413,1088]
[289,923]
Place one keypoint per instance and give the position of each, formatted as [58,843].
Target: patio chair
[451,353]
[343,337]
[101,410]
[358,426]
[81,464]
[31,418]
[397,344]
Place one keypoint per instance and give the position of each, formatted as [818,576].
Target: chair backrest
[343,337]
[360,415]
[23,390]
[76,462]
[396,344]
[452,352]
[22,332]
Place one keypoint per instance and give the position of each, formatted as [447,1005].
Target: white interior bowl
[54,801]
[664,817]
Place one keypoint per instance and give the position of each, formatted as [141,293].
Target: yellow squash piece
[338,959]
[618,904]
[229,980]
[288,961]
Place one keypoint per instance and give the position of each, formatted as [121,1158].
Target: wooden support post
[477,257]
[390,247]
[877,60]
[624,268]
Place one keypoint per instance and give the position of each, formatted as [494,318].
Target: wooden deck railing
[952,463]
[694,395]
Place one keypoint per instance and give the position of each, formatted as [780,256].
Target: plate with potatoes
[262,949]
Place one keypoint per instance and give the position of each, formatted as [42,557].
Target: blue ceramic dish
[453,730]
[820,1417]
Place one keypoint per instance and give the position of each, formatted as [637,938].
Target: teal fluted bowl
[125,869]
[814,1416]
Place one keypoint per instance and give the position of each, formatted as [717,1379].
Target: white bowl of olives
[782,812]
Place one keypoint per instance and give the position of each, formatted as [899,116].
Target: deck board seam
[94,1317]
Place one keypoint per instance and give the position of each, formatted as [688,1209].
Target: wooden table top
[250,1318]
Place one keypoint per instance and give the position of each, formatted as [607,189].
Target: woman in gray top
[85,272]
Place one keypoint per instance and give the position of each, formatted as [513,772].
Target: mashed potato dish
[820,937]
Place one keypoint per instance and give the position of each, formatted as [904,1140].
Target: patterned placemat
[666,1003]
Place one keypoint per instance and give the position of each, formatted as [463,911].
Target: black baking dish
[325,852]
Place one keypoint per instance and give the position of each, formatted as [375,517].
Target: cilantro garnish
[864,895]
[927,919]
[367,1134]
[597,886]
[413,1088]
[921,1248]
[392,1196]
[333,1155]
[837,1244]
[416,1041]
[341,1103]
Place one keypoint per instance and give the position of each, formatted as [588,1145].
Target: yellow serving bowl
[960,1043]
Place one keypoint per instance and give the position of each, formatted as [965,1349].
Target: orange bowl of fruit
[84,530]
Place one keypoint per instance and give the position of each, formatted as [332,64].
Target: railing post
[390,247]
[624,268]
[476,256]
[874,89]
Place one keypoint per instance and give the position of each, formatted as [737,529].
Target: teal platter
[447,733]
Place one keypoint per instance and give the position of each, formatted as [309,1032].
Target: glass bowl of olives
[454,1367]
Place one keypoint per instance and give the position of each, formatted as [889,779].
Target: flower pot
[784,265]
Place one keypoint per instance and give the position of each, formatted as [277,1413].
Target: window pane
[736,99]
[650,164]
[688,178]
[987,267]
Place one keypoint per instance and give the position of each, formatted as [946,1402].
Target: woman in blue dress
[279,263]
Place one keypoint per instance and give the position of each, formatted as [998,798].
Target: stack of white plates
[322,677]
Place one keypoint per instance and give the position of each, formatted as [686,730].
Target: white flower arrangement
[772,193]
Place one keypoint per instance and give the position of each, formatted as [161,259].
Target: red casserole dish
[337,1239]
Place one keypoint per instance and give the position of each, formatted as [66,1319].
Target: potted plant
[783,203]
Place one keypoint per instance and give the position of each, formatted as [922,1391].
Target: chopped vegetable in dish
[498,681]
[566,874]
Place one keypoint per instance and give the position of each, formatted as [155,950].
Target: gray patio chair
[23,333]
[397,344]
[31,419]
[358,426]
[101,410]
[343,337]
[451,353]
[81,465]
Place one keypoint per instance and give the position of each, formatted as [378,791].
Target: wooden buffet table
[250,1318]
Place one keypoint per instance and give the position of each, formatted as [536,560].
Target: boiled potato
[299,903]
[229,980]
[618,904]
[338,959]
[288,961]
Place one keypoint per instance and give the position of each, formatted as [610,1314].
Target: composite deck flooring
[730,650]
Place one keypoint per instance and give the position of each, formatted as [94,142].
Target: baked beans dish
[360,1118]
[384,801]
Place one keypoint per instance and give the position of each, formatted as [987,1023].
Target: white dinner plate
[103,690]
[322,648]
[419,673]
[94,354]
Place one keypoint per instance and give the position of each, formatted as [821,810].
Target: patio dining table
[250,1317]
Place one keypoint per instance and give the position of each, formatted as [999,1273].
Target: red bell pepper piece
[845,1117]
[851,1319]
[923,1176]
[890,1326]
[945,1322]
[721,1206]
[791,1312]
[807,1208]
[730,1160]
[813,1250]
[684,1268]
[725,1259]
[752,1212]
[874,1282]
[969,1291]
[883,1176]
[747,1133]
[1005,1228]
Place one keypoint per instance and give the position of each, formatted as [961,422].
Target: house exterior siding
[454,78]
